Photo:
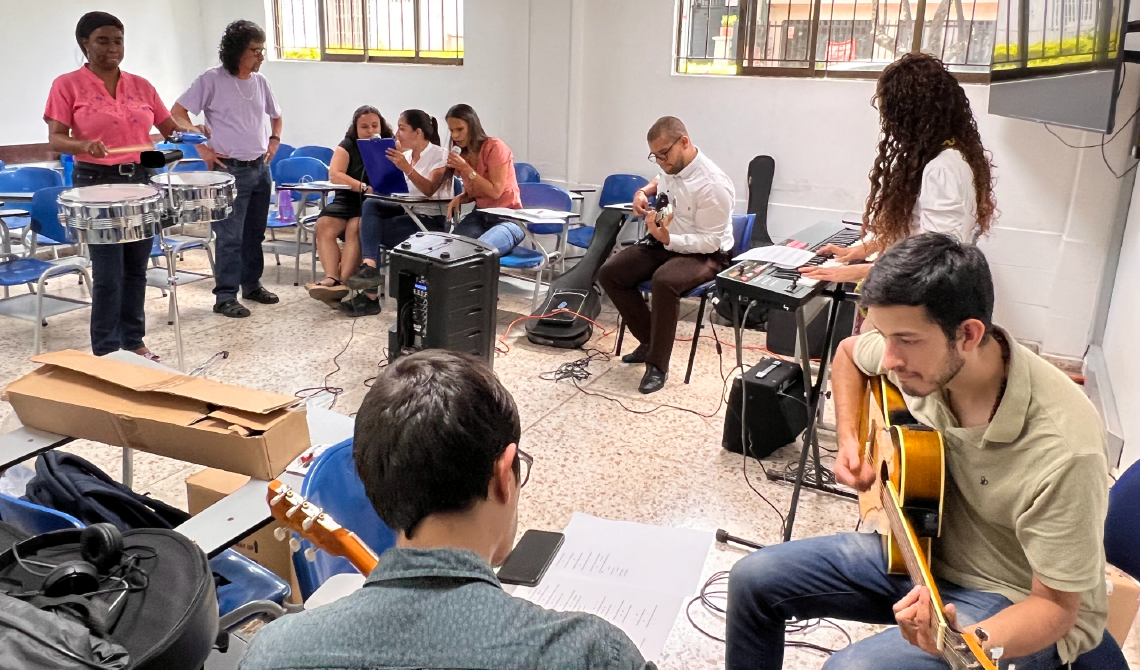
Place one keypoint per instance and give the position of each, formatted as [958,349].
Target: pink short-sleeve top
[80,101]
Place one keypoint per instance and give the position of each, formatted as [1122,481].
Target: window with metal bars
[406,31]
[832,38]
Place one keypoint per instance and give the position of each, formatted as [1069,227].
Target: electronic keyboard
[771,286]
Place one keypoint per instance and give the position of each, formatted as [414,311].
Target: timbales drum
[111,213]
[196,197]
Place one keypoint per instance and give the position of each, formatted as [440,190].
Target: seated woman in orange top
[487,168]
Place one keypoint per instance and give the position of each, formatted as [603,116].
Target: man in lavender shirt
[236,100]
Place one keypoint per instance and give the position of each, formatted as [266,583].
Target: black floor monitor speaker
[772,398]
[446,289]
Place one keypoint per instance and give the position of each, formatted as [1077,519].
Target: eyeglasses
[662,157]
[527,460]
[259,52]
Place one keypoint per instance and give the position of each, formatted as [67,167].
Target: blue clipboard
[384,177]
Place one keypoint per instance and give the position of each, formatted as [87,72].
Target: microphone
[456,150]
[159,159]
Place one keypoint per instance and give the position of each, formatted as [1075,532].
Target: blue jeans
[238,259]
[382,227]
[491,230]
[844,576]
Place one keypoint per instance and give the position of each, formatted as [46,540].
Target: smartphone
[530,558]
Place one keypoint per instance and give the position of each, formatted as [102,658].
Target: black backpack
[170,622]
[70,484]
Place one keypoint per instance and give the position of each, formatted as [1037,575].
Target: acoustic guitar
[310,522]
[907,496]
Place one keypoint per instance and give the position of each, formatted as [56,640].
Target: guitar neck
[962,653]
[358,553]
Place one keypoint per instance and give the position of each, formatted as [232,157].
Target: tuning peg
[279,533]
[311,554]
[292,510]
[294,544]
[307,523]
[277,498]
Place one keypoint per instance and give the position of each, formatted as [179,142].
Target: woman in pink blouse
[487,168]
[90,113]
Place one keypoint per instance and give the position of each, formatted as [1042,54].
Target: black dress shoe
[232,309]
[366,277]
[638,355]
[654,379]
[262,296]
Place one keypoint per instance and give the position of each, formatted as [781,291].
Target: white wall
[1120,352]
[317,99]
[1057,204]
[162,45]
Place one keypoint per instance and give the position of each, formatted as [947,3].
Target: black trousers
[672,275]
[118,290]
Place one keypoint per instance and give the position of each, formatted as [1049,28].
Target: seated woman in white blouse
[424,164]
[932,173]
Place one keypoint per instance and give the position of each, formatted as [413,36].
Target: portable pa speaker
[774,406]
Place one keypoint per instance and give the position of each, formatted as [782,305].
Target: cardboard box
[1123,602]
[236,429]
[208,487]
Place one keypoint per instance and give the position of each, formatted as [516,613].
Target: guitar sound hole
[924,521]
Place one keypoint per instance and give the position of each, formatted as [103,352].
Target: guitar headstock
[307,520]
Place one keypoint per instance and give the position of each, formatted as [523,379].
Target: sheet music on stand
[636,576]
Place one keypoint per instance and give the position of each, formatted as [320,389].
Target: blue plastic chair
[1122,525]
[333,485]
[243,580]
[294,170]
[525,173]
[741,235]
[616,189]
[26,180]
[1,165]
[548,196]
[323,154]
[283,151]
[67,161]
[37,304]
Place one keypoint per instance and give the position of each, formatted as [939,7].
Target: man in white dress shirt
[684,248]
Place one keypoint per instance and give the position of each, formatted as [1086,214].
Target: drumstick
[132,149]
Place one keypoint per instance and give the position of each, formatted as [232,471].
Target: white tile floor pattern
[666,467]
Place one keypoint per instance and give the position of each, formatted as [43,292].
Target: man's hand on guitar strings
[851,470]
[912,614]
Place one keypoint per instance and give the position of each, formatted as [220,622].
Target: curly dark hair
[354,134]
[236,40]
[923,110]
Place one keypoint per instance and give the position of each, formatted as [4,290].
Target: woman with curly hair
[236,101]
[932,173]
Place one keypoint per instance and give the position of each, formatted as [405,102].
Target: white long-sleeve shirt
[703,197]
[947,202]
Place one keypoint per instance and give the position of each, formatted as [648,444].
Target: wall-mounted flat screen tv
[1059,61]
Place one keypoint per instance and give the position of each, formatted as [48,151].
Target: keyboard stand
[814,398]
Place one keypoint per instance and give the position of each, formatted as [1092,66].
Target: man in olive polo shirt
[1020,561]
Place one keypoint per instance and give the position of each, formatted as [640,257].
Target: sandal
[326,293]
[232,309]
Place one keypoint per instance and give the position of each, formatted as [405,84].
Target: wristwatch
[473,175]
[274,137]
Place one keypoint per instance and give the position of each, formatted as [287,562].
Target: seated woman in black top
[341,217]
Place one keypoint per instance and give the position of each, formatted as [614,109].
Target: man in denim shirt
[436,446]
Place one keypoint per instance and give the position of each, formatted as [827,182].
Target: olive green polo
[1026,495]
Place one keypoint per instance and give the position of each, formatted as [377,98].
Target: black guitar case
[761,171]
[576,291]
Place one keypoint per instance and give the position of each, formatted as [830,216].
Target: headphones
[101,549]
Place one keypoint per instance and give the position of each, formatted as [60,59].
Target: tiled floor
[665,467]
